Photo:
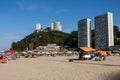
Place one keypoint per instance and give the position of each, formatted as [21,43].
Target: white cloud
[27,6]
[41,6]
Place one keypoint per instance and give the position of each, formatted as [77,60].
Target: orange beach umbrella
[104,53]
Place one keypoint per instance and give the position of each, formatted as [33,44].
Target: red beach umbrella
[9,51]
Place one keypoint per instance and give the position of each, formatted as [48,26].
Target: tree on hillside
[72,40]
[40,38]
[116,32]
[48,29]
[116,35]
[93,38]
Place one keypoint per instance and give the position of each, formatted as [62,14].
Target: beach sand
[59,68]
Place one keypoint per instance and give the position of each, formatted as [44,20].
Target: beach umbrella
[2,54]
[9,51]
[103,53]
[34,52]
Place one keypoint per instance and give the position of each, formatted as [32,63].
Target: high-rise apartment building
[84,33]
[56,26]
[104,37]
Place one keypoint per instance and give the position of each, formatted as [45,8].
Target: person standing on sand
[80,55]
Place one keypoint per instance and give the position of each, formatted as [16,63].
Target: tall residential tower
[84,33]
[104,31]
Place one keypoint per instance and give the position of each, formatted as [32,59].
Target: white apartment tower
[38,27]
[104,37]
[84,33]
[56,26]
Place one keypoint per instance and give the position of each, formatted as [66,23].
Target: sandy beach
[59,68]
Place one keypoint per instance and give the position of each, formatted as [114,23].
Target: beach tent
[87,49]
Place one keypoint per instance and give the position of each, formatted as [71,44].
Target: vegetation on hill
[42,38]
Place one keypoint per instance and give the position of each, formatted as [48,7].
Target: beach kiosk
[86,53]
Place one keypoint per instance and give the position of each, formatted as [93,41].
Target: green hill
[42,38]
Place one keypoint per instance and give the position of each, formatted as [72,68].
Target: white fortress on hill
[55,26]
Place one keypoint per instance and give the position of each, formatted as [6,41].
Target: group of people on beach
[5,57]
[31,54]
[34,54]
[96,56]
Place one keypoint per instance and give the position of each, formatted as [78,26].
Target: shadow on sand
[110,76]
[113,76]
[82,62]
[72,60]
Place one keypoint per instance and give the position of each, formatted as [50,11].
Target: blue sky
[18,17]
